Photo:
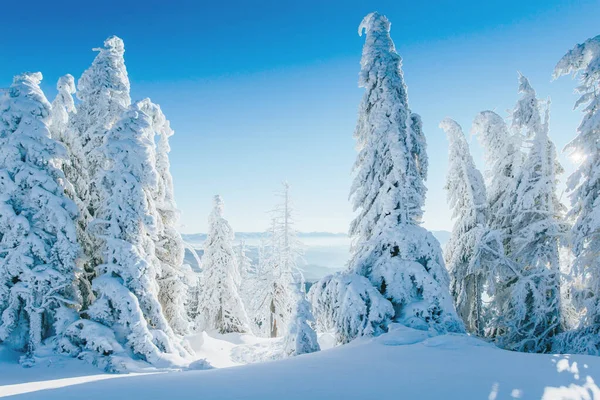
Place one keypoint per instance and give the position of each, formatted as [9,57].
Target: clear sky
[262,91]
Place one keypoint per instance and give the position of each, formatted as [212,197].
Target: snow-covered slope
[403,364]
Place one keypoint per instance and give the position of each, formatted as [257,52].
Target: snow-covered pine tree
[467,253]
[126,313]
[285,251]
[400,258]
[63,112]
[220,306]
[38,244]
[584,61]
[256,290]
[530,316]
[504,158]
[300,337]
[103,91]
[170,248]
[272,303]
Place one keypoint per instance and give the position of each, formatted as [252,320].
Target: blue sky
[262,91]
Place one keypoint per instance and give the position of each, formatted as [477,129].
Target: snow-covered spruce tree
[38,245]
[220,306]
[530,304]
[103,91]
[170,248]
[400,258]
[348,306]
[467,253]
[126,317]
[256,289]
[584,187]
[300,337]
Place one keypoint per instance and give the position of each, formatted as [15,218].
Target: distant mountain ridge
[442,236]
[200,237]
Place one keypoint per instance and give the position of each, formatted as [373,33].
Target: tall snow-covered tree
[270,292]
[281,263]
[170,248]
[38,244]
[300,337]
[220,306]
[530,315]
[467,253]
[126,288]
[103,91]
[583,185]
[400,258]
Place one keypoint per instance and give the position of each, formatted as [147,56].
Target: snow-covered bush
[300,337]
[219,305]
[349,306]
[38,245]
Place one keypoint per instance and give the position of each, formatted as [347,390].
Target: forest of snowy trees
[92,263]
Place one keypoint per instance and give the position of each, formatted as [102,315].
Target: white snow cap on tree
[38,295]
[466,251]
[63,107]
[400,258]
[126,225]
[583,61]
[220,305]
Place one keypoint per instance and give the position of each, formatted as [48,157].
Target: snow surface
[402,364]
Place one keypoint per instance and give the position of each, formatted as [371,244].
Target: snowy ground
[403,364]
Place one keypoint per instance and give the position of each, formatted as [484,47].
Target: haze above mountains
[324,252]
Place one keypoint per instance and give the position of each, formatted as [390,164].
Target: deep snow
[402,364]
